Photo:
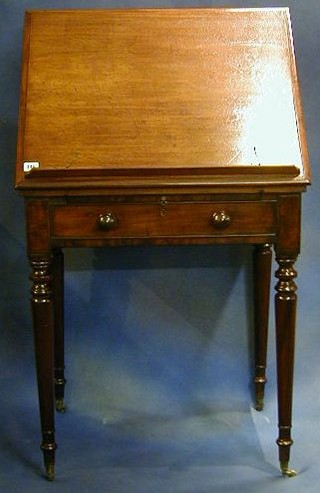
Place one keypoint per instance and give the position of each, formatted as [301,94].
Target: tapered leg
[285,309]
[262,257]
[42,310]
[58,298]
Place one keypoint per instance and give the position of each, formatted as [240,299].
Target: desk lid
[123,94]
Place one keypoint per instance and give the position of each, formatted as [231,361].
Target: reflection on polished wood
[162,127]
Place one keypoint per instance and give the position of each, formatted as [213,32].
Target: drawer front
[136,220]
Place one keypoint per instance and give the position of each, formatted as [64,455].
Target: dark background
[159,339]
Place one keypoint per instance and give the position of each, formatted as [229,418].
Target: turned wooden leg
[58,298]
[42,310]
[285,309]
[262,257]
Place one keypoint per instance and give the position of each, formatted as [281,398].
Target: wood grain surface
[160,89]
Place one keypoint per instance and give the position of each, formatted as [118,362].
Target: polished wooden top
[160,92]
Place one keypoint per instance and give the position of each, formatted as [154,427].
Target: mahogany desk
[162,127]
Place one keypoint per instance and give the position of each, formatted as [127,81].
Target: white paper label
[29,165]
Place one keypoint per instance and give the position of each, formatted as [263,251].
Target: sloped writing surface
[166,89]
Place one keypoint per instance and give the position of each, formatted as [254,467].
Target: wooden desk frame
[255,205]
[46,259]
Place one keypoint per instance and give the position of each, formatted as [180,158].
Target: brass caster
[259,403]
[286,471]
[48,447]
[60,407]
[50,472]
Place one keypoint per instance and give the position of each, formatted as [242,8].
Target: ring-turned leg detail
[42,310]
[262,257]
[48,448]
[285,306]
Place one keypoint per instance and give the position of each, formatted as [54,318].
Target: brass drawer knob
[221,220]
[107,221]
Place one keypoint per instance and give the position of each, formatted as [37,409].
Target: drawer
[182,219]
